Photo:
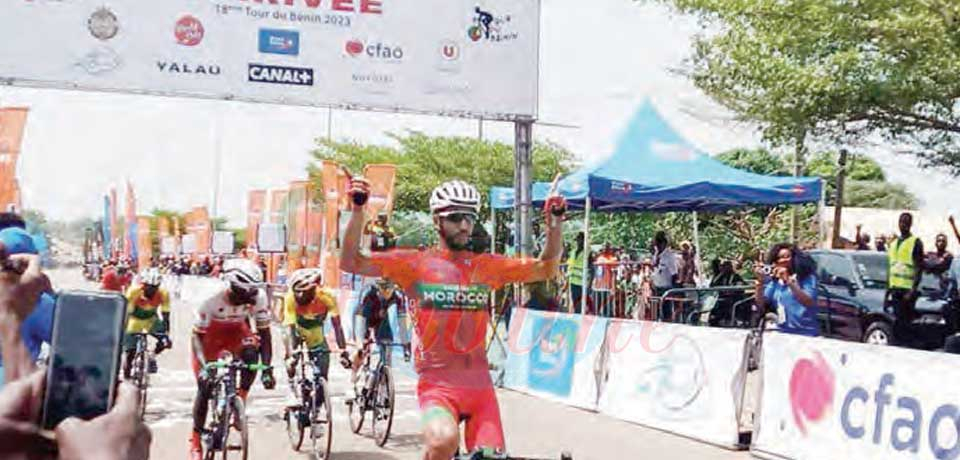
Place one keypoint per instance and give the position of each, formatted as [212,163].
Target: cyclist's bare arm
[351,260]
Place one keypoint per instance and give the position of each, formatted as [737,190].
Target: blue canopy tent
[654,169]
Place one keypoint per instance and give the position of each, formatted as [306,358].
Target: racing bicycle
[375,393]
[228,431]
[140,368]
[313,414]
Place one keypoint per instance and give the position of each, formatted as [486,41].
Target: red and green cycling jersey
[450,293]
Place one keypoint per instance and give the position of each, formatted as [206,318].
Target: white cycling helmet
[305,279]
[455,195]
[242,272]
[150,277]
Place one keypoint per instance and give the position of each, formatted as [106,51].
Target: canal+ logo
[877,415]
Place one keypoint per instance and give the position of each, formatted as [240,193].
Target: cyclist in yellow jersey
[306,306]
[148,311]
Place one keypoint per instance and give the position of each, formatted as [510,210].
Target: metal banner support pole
[586,257]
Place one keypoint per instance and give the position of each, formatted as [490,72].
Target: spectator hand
[20,403]
[345,360]
[21,283]
[359,192]
[117,435]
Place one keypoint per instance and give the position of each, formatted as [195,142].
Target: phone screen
[84,357]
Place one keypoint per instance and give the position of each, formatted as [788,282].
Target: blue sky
[599,60]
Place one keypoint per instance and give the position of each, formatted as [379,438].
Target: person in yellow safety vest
[575,273]
[905,255]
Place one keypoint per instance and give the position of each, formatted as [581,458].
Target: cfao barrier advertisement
[832,399]
[473,58]
[674,377]
[555,356]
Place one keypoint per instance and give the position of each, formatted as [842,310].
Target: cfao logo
[811,391]
[380,51]
[188,31]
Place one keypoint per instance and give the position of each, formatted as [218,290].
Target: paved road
[533,426]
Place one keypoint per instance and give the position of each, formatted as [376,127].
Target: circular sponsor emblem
[475,33]
[103,24]
[189,31]
[450,51]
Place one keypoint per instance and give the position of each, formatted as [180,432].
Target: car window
[832,266]
[873,269]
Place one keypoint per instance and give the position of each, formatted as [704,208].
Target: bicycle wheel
[143,380]
[321,420]
[293,418]
[356,407]
[384,395]
[235,435]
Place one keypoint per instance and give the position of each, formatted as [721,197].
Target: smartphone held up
[84,362]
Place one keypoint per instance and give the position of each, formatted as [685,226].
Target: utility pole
[838,201]
[797,172]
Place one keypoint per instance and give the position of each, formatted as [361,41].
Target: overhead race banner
[470,58]
[832,399]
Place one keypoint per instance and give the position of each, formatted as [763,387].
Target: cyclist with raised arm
[306,306]
[373,324]
[223,324]
[148,311]
[449,287]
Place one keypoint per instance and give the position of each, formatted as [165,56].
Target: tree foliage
[423,162]
[839,69]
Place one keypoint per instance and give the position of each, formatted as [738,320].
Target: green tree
[844,70]
[866,184]
[423,162]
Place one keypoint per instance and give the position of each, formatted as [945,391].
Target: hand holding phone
[118,435]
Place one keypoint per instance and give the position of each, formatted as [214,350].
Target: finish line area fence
[781,396]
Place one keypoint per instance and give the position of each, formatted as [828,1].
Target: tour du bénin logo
[812,384]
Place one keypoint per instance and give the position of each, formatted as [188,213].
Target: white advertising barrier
[168,245]
[223,242]
[677,378]
[188,244]
[474,58]
[555,356]
[271,238]
[825,399]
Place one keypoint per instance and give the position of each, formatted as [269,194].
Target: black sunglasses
[459,217]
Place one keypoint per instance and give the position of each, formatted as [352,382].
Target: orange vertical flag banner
[277,215]
[130,219]
[314,224]
[13,120]
[256,201]
[144,242]
[296,224]
[382,180]
[114,223]
[332,181]
[201,227]
[163,227]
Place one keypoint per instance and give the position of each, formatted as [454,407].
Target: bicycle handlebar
[237,365]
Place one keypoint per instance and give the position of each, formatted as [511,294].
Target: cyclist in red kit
[450,288]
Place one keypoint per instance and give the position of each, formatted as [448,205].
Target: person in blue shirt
[790,289]
[37,328]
